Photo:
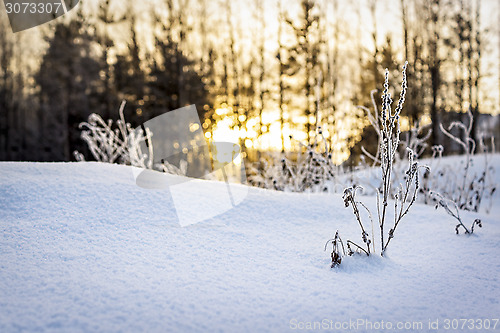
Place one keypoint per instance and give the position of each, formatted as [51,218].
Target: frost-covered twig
[374,121]
[455,212]
[485,185]
[406,194]
[467,143]
[415,142]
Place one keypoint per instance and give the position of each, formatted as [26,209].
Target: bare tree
[434,63]
[476,45]
[107,18]
[281,74]
[304,56]
[372,5]
[261,91]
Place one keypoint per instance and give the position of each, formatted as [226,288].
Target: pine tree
[165,85]
[69,85]
[130,78]
[6,88]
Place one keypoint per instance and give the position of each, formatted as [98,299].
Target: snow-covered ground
[83,249]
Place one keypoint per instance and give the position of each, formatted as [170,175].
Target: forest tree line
[272,69]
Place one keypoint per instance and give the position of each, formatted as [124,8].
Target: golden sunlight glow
[194,127]
[223,111]
[223,131]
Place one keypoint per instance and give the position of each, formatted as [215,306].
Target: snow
[83,248]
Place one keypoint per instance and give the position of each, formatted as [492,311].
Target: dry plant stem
[476,222]
[371,221]
[468,144]
[349,242]
[443,202]
[418,145]
[350,199]
[390,142]
[403,195]
[336,255]
[374,121]
[484,178]
[406,194]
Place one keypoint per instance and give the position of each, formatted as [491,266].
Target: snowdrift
[84,249]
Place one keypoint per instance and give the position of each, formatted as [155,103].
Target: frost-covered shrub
[459,182]
[405,194]
[119,143]
[462,183]
[461,187]
[309,169]
[107,142]
[271,172]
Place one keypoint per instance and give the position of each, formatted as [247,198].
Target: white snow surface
[83,249]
